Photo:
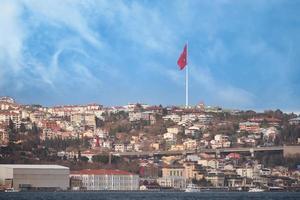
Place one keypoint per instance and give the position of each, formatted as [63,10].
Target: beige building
[190,144]
[173,171]
[189,170]
[174,130]
[177,147]
[84,119]
[4,137]
[216,179]
[213,163]
[155,146]
[173,177]
[34,177]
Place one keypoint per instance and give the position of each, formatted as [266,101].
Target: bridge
[251,150]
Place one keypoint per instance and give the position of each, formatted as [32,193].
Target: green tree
[100,159]
[99,122]
[84,159]
[75,158]
[79,154]
[12,134]
[22,128]
[35,134]
[86,143]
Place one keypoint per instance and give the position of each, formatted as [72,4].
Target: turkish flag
[182,60]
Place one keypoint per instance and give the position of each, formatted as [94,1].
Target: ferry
[192,188]
[256,190]
[276,189]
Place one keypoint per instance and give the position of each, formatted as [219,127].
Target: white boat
[10,190]
[256,190]
[192,188]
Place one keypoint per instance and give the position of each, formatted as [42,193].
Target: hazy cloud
[55,47]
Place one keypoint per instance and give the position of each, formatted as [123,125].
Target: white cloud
[143,26]
[174,75]
[21,19]
[154,32]
[12,35]
[224,93]
[66,13]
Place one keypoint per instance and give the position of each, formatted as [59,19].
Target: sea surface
[149,196]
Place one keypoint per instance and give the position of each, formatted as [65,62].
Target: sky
[243,54]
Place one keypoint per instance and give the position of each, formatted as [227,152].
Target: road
[185,152]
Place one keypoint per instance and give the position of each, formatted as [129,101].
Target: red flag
[182,60]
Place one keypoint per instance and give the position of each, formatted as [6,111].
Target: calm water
[146,196]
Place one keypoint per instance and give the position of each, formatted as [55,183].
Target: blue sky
[242,53]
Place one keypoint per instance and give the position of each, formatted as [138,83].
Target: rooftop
[101,172]
[295,119]
[20,166]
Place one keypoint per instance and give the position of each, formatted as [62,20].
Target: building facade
[102,179]
[34,177]
[173,177]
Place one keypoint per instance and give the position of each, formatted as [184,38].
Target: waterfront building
[103,179]
[173,177]
[34,177]
[175,182]
[216,178]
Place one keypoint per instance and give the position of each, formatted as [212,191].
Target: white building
[169,136]
[172,182]
[220,141]
[245,172]
[192,131]
[189,117]
[103,179]
[173,117]
[174,130]
[295,121]
[205,119]
[46,177]
[107,144]
[7,99]
[213,163]
[120,147]
[84,119]
[135,116]
[5,116]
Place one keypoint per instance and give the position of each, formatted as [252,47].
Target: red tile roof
[234,156]
[8,113]
[101,172]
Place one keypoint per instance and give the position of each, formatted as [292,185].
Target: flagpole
[187,79]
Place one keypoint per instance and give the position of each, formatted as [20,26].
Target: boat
[11,190]
[192,188]
[256,190]
[276,189]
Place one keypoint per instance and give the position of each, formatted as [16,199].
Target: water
[148,196]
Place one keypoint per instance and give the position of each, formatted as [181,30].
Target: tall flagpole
[187,79]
